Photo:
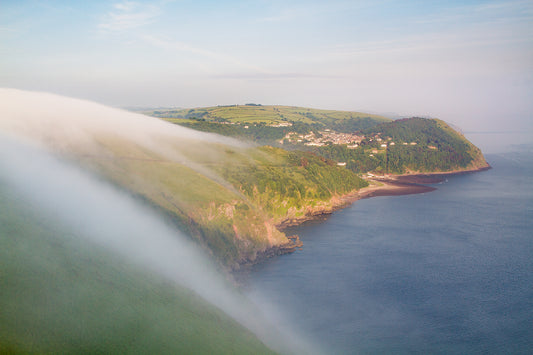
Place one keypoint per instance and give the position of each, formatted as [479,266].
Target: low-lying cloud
[117,222]
[105,216]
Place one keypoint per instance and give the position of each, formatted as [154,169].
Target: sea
[444,272]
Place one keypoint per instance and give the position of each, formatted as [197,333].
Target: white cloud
[127,15]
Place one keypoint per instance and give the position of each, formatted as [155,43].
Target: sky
[467,62]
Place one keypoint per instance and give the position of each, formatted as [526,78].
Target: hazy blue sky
[468,62]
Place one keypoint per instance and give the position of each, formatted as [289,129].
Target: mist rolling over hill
[86,269]
[229,195]
[229,208]
[225,193]
[187,206]
[54,163]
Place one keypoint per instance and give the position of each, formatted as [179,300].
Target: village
[328,137]
[323,138]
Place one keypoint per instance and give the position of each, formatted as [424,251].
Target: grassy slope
[264,114]
[453,151]
[271,185]
[287,184]
[230,198]
[61,296]
[198,203]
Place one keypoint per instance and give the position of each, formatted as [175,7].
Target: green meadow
[264,114]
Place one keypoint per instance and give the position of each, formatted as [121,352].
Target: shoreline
[393,185]
[393,188]
[377,187]
[431,177]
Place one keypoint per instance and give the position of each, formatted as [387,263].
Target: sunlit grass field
[265,114]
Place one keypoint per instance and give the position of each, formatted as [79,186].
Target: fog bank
[79,128]
[106,217]
[50,118]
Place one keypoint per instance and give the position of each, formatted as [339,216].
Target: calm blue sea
[450,271]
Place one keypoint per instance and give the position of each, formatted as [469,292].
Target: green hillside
[232,197]
[229,198]
[228,195]
[266,124]
[59,295]
[437,147]
[363,143]
[252,113]
[413,145]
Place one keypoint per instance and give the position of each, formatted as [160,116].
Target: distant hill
[266,124]
[408,146]
[269,115]
[362,142]
[437,147]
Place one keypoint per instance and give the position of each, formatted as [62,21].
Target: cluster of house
[326,137]
[351,140]
[281,124]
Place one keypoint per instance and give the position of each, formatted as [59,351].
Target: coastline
[393,188]
[404,184]
[377,187]
[390,185]
[432,177]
